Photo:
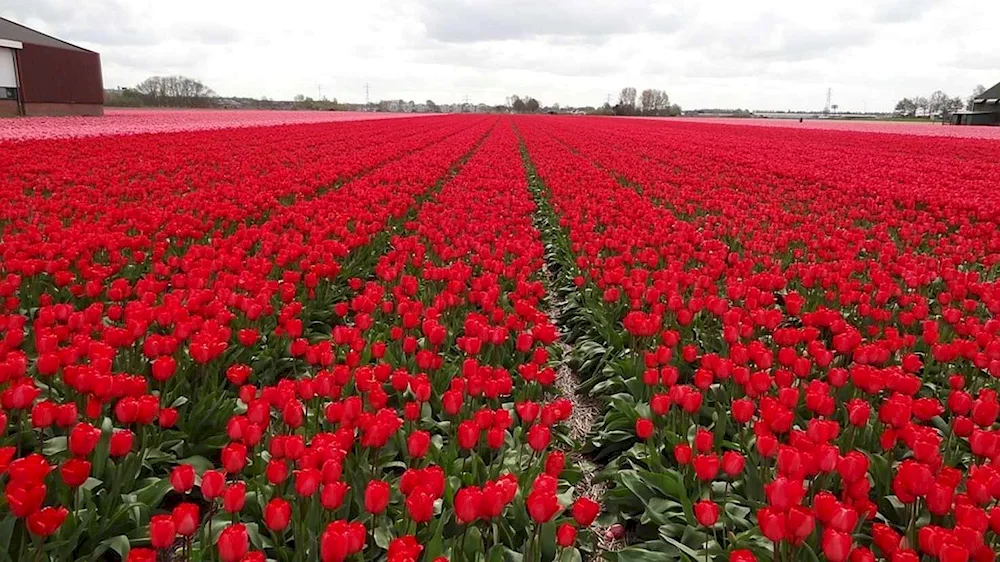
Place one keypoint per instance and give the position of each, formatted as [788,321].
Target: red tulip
[75,472]
[332,494]
[307,481]
[47,520]
[83,438]
[162,531]
[376,496]
[417,444]
[732,463]
[706,512]
[186,518]
[234,457]
[182,478]
[644,428]
[234,497]
[420,505]
[539,437]
[585,511]
[467,502]
[277,514]
[706,467]
[141,555]
[836,545]
[23,499]
[213,484]
[542,506]
[773,523]
[566,535]
[233,543]
[121,443]
[742,556]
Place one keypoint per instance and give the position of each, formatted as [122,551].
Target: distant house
[985,110]
[42,75]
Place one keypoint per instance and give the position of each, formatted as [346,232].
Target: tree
[951,106]
[937,102]
[906,107]
[174,91]
[432,107]
[648,101]
[626,101]
[923,104]
[531,105]
[517,104]
[976,92]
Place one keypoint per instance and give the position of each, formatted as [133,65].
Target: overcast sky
[764,54]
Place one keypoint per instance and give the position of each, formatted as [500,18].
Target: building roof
[991,94]
[16,32]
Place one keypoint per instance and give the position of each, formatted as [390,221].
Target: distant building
[42,75]
[985,110]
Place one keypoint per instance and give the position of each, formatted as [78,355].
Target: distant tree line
[651,102]
[526,104]
[938,104]
[162,91]
[304,102]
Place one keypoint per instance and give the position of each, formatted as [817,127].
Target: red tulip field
[483,338]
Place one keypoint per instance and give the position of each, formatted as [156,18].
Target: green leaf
[382,537]
[635,554]
[7,531]
[473,543]
[570,555]
[153,494]
[54,446]
[200,463]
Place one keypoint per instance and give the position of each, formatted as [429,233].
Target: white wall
[8,78]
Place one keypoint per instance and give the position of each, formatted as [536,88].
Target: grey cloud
[902,11]
[472,21]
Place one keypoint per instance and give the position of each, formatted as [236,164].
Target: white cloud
[772,54]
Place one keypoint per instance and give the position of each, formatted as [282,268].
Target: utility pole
[367,99]
[320,88]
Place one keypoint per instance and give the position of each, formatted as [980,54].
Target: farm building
[42,75]
[985,110]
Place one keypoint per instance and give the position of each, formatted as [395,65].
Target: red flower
[566,535]
[420,505]
[542,506]
[162,531]
[539,437]
[706,467]
[644,428]
[233,543]
[141,555]
[213,483]
[706,512]
[404,549]
[75,472]
[585,511]
[121,443]
[332,494]
[836,545]
[467,502]
[307,482]
[186,518]
[376,496]
[234,457]
[23,499]
[83,438]
[277,514]
[182,478]
[742,556]
[234,497]
[417,444]
[47,520]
